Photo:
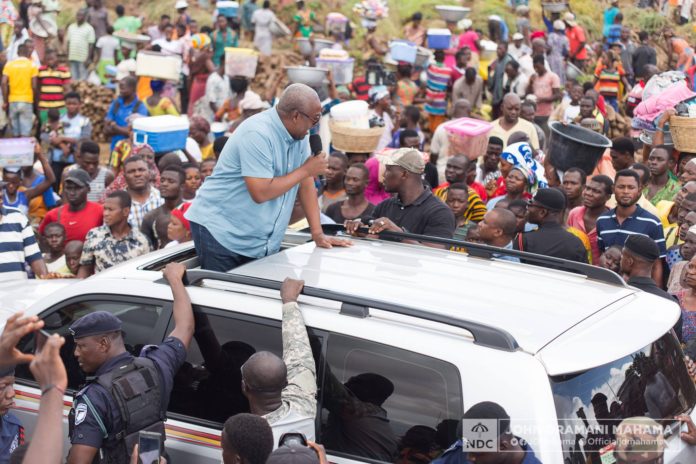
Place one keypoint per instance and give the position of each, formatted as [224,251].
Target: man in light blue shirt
[242,210]
[497,229]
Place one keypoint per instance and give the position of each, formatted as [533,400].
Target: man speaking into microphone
[242,210]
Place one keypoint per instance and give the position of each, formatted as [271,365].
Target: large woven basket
[683,133]
[352,140]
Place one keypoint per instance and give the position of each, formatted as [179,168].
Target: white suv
[445,329]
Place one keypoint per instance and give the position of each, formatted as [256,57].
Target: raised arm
[183,312]
[49,175]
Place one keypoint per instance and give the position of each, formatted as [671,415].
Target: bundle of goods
[96,100]
[158,66]
[336,23]
[162,133]
[17,152]
[340,64]
[372,9]
[270,71]
[666,91]
[468,136]
[241,62]
[350,128]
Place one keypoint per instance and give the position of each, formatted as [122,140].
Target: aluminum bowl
[313,77]
[452,14]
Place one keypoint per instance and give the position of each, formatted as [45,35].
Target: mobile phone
[149,447]
[40,337]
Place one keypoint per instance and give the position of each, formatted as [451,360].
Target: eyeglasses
[314,121]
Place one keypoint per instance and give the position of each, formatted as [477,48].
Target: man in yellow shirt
[18,84]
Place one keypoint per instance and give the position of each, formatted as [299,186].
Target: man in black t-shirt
[414,209]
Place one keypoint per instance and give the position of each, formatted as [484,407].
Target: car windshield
[651,382]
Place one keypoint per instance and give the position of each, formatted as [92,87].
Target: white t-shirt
[125,68]
[171,47]
[108,45]
[570,113]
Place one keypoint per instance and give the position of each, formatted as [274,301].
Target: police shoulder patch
[80,413]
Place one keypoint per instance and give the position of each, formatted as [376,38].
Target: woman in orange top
[681,48]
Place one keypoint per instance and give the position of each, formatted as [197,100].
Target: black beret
[551,199]
[643,247]
[96,323]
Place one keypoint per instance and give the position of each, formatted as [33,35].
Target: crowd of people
[83,207]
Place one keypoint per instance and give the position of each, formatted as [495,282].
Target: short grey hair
[295,98]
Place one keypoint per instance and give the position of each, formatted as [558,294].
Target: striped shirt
[610,232]
[438,78]
[476,209]
[17,244]
[51,86]
[79,38]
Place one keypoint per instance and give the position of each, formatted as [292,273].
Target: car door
[207,389]
[144,322]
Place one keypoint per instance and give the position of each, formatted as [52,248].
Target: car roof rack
[358,306]
[479,250]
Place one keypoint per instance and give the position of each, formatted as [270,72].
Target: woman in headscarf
[558,46]
[520,156]
[200,68]
[374,192]
[158,105]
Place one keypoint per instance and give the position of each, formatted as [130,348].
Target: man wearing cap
[507,449]
[116,241]
[11,429]
[550,239]
[517,49]
[100,350]
[79,216]
[414,209]
[576,37]
[242,211]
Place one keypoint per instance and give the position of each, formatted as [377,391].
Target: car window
[208,385]
[378,400]
[652,382]
[143,324]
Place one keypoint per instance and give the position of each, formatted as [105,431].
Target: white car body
[558,322]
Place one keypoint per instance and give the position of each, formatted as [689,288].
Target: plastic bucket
[572,146]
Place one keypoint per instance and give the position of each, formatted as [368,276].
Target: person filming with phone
[125,394]
[243,209]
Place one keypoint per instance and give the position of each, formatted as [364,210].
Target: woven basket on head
[683,133]
[352,140]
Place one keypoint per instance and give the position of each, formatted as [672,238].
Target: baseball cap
[79,176]
[407,158]
[639,439]
[550,198]
[517,36]
[293,454]
[643,247]
[96,323]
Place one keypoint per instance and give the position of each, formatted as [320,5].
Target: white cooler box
[158,66]
[162,133]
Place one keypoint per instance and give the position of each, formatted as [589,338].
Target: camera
[377,75]
[292,439]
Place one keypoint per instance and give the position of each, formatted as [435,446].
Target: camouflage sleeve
[297,354]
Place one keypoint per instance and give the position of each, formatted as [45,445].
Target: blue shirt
[455,455]
[614,33]
[260,147]
[120,116]
[609,15]
[168,357]
[11,436]
[610,232]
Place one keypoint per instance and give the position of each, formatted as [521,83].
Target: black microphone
[315,144]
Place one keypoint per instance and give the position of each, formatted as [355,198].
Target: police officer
[12,432]
[98,432]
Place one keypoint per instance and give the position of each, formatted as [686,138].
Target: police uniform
[11,429]
[11,436]
[95,412]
